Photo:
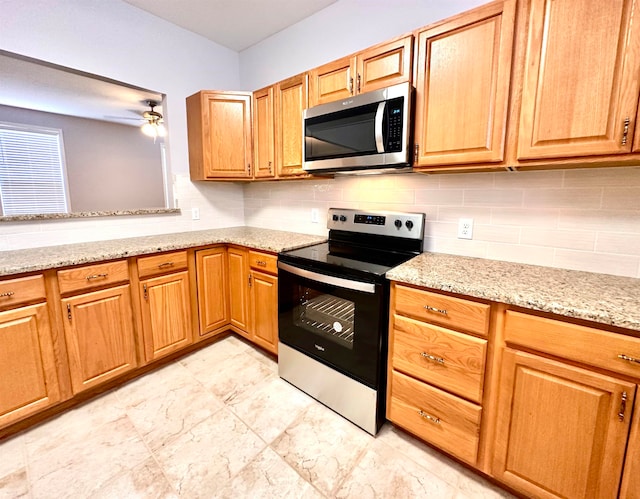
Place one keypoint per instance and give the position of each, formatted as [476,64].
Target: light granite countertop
[602,298]
[34,259]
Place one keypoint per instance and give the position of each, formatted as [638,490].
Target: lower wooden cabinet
[264,310]
[239,289]
[28,378]
[253,296]
[213,289]
[447,421]
[99,334]
[562,430]
[166,314]
[630,488]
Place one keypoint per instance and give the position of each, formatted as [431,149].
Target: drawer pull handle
[628,359]
[165,265]
[262,263]
[432,358]
[7,294]
[96,276]
[623,406]
[429,417]
[434,309]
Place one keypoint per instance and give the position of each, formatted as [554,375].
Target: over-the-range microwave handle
[365,287]
[378,126]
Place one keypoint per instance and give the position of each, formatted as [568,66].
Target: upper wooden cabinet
[277,128]
[580,84]
[263,133]
[219,129]
[290,101]
[462,87]
[380,66]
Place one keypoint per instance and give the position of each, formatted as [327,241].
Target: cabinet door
[213,302]
[331,82]
[384,65]
[28,380]
[562,430]
[631,478]
[219,126]
[264,310]
[263,133]
[462,87]
[580,83]
[98,329]
[166,314]
[291,100]
[239,288]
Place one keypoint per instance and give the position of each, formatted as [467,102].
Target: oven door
[334,320]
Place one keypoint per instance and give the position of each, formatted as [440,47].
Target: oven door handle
[341,282]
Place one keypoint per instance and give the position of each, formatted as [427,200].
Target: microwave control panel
[394,117]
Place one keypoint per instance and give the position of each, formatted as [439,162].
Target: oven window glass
[326,315]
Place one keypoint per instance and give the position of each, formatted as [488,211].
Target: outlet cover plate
[465,228]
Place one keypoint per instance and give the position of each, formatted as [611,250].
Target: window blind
[32,170]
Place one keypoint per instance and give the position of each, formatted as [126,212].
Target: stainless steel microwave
[364,133]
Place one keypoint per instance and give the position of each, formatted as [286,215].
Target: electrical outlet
[465,228]
[195,213]
[314,215]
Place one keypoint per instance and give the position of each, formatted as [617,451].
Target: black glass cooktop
[346,259]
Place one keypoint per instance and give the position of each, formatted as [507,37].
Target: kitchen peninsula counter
[48,257]
[601,298]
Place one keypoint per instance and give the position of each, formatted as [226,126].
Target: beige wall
[585,219]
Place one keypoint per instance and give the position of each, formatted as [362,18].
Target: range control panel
[383,223]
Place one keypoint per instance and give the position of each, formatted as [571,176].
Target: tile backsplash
[583,219]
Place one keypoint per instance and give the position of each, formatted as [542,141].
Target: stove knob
[409,224]
[398,223]
[335,218]
[343,218]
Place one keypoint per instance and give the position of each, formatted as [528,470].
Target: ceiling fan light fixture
[154,125]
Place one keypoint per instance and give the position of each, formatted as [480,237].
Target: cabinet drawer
[21,290]
[612,351]
[452,361]
[435,416]
[263,262]
[454,313]
[92,276]
[161,264]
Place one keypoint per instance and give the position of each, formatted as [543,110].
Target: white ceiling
[236,24]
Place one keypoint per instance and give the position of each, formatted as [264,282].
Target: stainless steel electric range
[333,310]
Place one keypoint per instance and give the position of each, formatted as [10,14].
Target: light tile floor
[221,423]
